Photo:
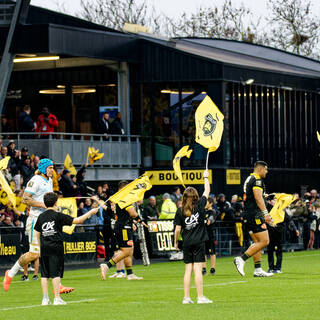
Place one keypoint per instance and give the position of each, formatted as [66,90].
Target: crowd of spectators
[305,211]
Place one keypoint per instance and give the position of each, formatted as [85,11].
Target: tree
[227,21]
[293,27]
[115,13]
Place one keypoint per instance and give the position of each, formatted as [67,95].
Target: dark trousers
[275,246]
[109,242]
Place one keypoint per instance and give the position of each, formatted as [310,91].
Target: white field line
[39,305]
[218,284]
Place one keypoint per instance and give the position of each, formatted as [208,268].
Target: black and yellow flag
[132,192]
[318,136]
[68,206]
[283,201]
[69,165]
[183,152]
[209,124]
[94,155]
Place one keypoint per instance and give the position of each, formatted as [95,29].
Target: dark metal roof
[37,15]
[250,55]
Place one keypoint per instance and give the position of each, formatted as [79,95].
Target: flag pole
[207,160]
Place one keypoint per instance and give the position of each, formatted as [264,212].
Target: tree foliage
[294,28]
[115,13]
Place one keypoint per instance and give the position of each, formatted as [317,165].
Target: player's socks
[110,263]
[245,257]
[257,265]
[14,270]
[129,270]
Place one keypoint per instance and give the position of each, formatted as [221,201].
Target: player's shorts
[124,237]
[254,222]
[33,241]
[194,253]
[52,266]
[210,247]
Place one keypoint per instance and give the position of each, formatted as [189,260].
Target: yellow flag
[283,200]
[94,155]
[318,136]
[5,186]
[4,163]
[183,152]
[68,206]
[69,165]
[209,124]
[3,197]
[19,205]
[132,192]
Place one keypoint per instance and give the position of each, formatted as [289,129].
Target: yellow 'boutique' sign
[233,176]
[169,177]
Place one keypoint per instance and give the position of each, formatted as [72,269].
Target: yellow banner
[233,176]
[169,177]
[69,165]
[68,206]
[209,124]
[5,186]
[132,192]
[183,152]
[283,201]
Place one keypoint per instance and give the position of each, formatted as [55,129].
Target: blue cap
[44,164]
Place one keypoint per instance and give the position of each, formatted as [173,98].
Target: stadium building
[270,99]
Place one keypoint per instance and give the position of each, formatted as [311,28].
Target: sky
[172,8]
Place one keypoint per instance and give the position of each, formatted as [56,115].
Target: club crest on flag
[209,125]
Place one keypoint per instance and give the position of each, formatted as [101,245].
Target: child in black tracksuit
[49,233]
[190,219]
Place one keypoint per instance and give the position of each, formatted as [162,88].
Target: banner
[69,165]
[68,206]
[162,237]
[132,192]
[183,152]
[233,176]
[169,177]
[80,246]
[10,249]
[209,124]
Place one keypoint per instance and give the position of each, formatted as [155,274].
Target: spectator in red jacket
[47,122]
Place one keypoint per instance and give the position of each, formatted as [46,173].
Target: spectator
[176,195]
[66,185]
[101,195]
[116,126]
[103,125]
[47,122]
[4,152]
[24,153]
[11,148]
[26,171]
[106,190]
[150,211]
[81,183]
[25,122]
[168,208]
[36,160]
[5,126]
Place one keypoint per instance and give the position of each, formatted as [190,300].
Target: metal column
[6,66]
[124,95]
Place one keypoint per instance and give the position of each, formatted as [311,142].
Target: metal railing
[119,150]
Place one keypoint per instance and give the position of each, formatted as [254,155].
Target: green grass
[291,295]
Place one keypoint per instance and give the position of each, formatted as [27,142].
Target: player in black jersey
[255,218]
[124,238]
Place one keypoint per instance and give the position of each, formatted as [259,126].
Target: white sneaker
[187,301]
[132,276]
[203,300]
[114,275]
[103,270]
[239,263]
[58,301]
[121,275]
[261,273]
[45,302]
